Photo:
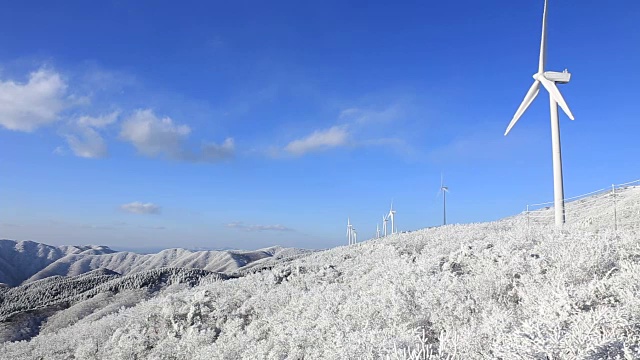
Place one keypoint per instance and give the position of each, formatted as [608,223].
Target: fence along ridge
[578,197]
[588,202]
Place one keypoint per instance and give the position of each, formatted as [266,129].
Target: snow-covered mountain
[19,260]
[510,289]
[27,261]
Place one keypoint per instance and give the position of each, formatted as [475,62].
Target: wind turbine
[392,215]
[349,231]
[384,224]
[444,190]
[549,79]
[355,236]
[377,231]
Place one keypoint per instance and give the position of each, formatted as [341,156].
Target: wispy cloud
[153,136]
[319,140]
[99,121]
[38,102]
[83,137]
[154,227]
[60,151]
[137,207]
[242,226]
[87,143]
[354,126]
[11,225]
[215,152]
[361,115]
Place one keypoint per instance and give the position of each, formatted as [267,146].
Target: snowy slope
[498,290]
[25,308]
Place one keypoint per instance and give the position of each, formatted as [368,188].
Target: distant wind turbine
[377,231]
[549,79]
[392,216]
[349,232]
[384,224]
[444,190]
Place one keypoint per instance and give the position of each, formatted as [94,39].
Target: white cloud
[87,143]
[320,140]
[153,136]
[83,138]
[28,106]
[214,152]
[100,121]
[137,207]
[242,226]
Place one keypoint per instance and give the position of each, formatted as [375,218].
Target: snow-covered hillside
[25,308]
[27,261]
[498,290]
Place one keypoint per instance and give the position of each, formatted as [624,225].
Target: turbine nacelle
[558,77]
[554,76]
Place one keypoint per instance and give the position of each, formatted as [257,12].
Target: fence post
[615,210]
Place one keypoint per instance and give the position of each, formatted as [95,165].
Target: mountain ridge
[26,261]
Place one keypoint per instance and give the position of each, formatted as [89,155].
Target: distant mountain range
[23,262]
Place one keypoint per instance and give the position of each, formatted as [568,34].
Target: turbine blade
[543,42]
[528,99]
[556,95]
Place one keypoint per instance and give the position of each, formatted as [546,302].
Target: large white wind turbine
[392,216]
[549,79]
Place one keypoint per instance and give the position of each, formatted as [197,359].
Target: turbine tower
[392,216]
[549,79]
[349,232]
[355,236]
[377,231]
[444,190]
[384,224]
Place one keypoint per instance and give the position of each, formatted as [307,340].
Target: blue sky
[246,124]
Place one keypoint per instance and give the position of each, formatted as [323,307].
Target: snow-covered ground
[501,290]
